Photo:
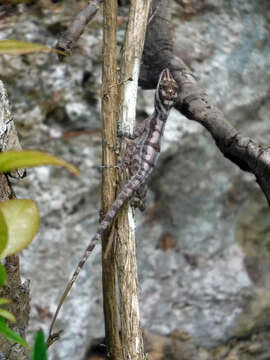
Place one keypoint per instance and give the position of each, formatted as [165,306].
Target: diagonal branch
[194,103]
[76,28]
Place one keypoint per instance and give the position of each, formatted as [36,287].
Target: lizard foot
[138,203]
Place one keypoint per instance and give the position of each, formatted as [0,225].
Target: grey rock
[197,271]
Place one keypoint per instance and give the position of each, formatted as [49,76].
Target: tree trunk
[13,288]
[131,334]
[109,113]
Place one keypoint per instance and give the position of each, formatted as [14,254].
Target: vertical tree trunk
[109,113]
[131,335]
[13,288]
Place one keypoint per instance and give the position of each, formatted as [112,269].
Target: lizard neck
[162,108]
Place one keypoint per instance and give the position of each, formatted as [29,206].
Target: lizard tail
[125,194]
[127,191]
[83,260]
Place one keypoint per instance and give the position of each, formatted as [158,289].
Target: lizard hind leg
[139,199]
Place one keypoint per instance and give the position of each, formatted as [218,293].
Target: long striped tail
[126,193]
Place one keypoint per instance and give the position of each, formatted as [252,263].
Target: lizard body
[140,158]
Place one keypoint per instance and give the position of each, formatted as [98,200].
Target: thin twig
[76,28]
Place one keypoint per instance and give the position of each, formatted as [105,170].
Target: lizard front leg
[129,152]
[138,131]
[139,198]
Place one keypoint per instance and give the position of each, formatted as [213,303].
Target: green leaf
[2,275]
[11,335]
[22,219]
[12,160]
[4,301]
[40,350]
[7,315]
[3,237]
[16,47]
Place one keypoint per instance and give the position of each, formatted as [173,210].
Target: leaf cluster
[39,351]
[19,223]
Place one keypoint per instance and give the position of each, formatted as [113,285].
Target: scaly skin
[140,158]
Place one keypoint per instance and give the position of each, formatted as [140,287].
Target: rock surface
[203,251]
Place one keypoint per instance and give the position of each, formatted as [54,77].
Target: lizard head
[168,88]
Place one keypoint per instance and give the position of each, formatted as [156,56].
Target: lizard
[140,158]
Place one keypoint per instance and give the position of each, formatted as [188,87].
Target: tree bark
[109,179]
[131,334]
[13,288]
